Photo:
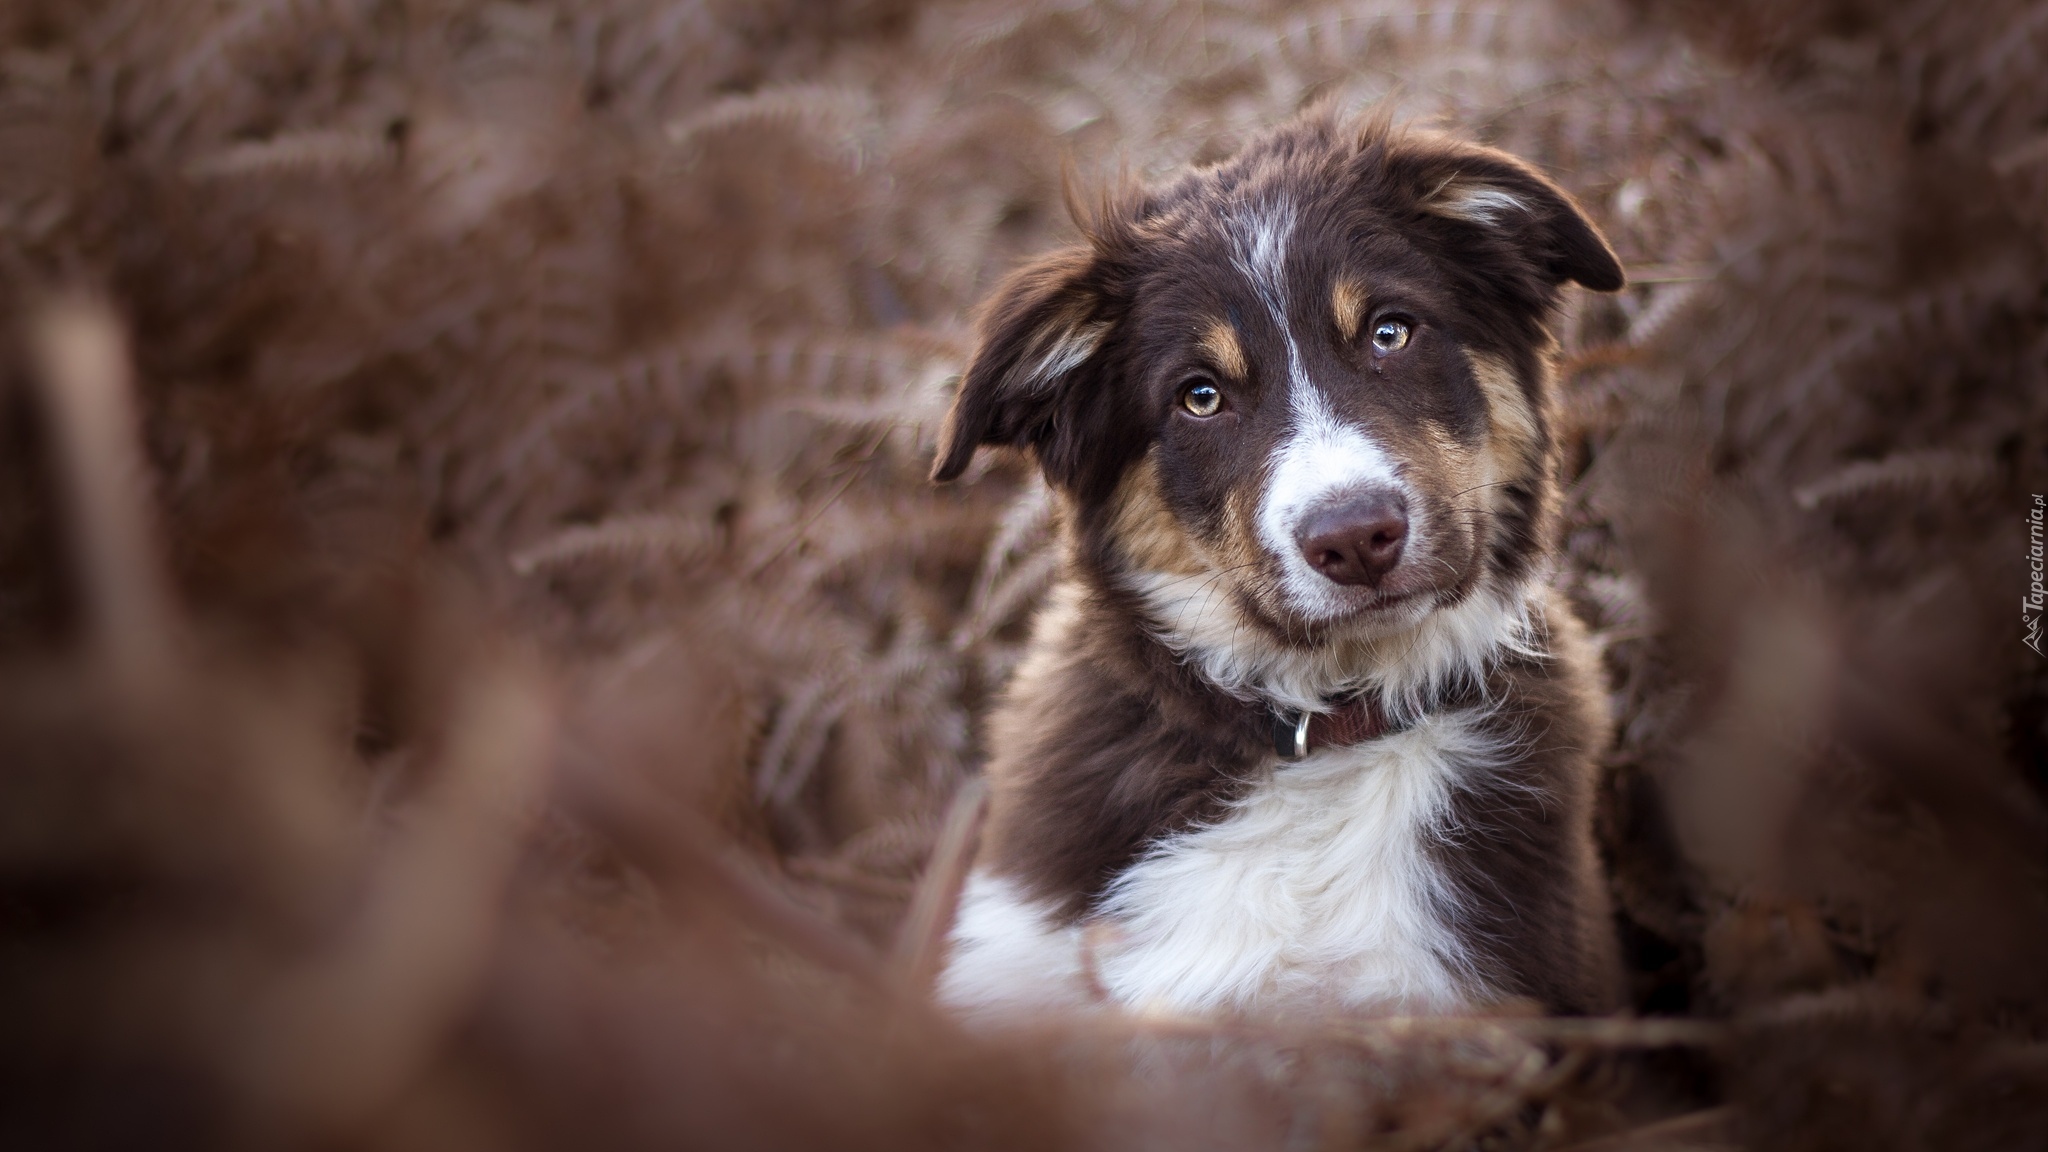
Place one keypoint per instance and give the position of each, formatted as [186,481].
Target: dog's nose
[1358,540]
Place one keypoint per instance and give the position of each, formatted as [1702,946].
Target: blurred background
[481,666]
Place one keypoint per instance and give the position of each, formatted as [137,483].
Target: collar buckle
[1298,732]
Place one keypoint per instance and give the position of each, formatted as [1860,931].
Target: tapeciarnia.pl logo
[2036,597]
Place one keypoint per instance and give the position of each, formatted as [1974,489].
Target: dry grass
[480,664]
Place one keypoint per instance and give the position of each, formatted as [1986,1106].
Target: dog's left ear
[1035,335]
[1507,198]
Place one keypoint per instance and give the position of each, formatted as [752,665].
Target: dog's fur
[1145,847]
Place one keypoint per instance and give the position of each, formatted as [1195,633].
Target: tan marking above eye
[1347,300]
[1220,342]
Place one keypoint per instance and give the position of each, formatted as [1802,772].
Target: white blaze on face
[1321,458]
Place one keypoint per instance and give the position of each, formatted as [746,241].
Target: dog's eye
[1389,336]
[1201,398]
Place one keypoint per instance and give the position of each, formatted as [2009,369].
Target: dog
[1302,725]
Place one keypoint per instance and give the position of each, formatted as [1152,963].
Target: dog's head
[1312,380]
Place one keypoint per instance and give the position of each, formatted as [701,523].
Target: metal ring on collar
[1290,734]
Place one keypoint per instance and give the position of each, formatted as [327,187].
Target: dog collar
[1296,733]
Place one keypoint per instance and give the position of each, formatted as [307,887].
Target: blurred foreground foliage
[483,668]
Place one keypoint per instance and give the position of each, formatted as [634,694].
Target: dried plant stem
[853,880]
[677,848]
[853,468]
[342,1038]
[1705,1129]
[87,393]
[921,944]
[1593,1032]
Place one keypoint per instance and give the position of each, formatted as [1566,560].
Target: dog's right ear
[1036,333]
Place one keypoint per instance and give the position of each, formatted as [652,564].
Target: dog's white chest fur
[1317,888]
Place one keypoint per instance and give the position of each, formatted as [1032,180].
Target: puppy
[1302,726]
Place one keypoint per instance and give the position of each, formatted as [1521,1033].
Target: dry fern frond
[841,118]
[892,848]
[621,539]
[992,24]
[1662,311]
[1975,72]
[1623,603]
[2026,153]
[1339,37]
[298,154]
[797,738]
[859,414]
[1019,587]
[1931,472]
[1016,565]
[1955,305]
[818,368]
[249,25]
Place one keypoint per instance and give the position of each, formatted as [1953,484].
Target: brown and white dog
[1303,725]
